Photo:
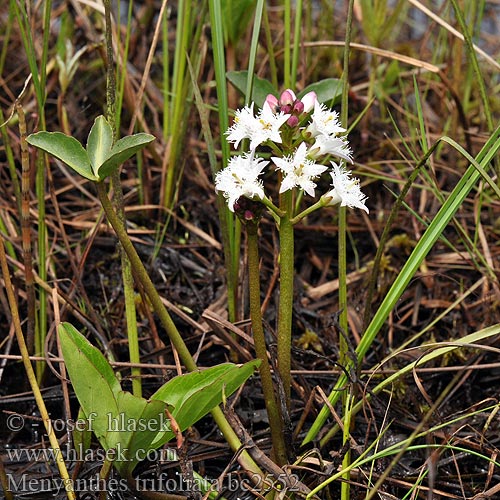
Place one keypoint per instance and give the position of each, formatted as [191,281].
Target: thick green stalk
[285,311]
[342,210]
[166,320]
[270,49]
[30,373]
[275,419]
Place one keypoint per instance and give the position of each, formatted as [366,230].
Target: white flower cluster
[302,138]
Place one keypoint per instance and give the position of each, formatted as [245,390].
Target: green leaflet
[193,395]
[66,149]
[122,151]
[99,143]
[328,91]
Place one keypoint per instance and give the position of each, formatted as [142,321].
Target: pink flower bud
[298,107]
[293,121]
[273,102]
[308,101]
[287,97]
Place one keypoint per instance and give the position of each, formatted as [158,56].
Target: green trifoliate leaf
[129,424]
[65,148]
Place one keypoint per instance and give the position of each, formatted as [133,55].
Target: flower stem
[142,276]
[275,420]
[309,210]
[286,296]
[274,211]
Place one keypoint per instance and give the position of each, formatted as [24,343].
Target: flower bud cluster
[301,133]
[290,105]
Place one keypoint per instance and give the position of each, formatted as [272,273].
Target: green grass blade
[7,26]
[254,45]
[39,80]
[229,226]
[296,41]
[220,74]
[121,69]
[273,70]
[475,64]
[286,43]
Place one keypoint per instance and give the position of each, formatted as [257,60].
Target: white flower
[324,121]
[298,170]
[259,128]
[241,178]
[329,145]
[242,125]
[346,190]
